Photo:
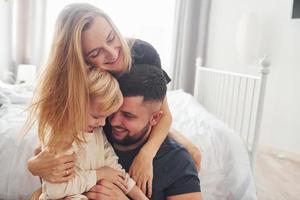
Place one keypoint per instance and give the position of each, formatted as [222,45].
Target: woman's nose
[111,53]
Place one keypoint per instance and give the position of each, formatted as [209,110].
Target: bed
[226,171]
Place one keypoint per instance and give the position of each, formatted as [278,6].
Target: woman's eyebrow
[95,49]
[109,34]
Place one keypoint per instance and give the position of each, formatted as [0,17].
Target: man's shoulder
[172,149]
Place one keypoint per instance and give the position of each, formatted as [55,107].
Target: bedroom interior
[234,69]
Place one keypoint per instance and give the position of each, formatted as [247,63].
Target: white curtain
[5,39]
[190,41]
[28,31]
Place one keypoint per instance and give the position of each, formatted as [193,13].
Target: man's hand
[141,170]
[105,190]
[51,168]
[114,176]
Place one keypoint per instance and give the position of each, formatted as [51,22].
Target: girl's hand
[52,168]
[141,170]
[114,176]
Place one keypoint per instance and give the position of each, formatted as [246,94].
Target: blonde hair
[61,99]
[55,127]
[104,91]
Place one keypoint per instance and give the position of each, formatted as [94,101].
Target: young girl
[85,34]
[96,159]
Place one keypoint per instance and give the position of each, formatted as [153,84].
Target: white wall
[5,38]
[281,41]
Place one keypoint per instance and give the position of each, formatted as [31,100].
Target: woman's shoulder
[143,52]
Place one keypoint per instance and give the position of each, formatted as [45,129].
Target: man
[174,174]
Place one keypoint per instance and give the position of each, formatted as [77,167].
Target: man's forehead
[132,103]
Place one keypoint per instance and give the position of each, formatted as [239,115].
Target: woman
[86,35]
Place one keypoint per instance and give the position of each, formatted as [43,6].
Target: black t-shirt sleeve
[183,176]
[144,53]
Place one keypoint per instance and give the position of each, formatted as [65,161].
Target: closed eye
[128,115]
[111,38]
[94,53]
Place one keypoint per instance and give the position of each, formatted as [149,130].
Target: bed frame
[236,99]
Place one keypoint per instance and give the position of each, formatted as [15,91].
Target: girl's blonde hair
[56,127]
[104,91]
[62,96]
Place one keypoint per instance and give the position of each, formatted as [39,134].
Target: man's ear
[156,116]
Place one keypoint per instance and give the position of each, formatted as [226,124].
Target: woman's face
[102,47]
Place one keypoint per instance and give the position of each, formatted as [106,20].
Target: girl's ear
[156,116]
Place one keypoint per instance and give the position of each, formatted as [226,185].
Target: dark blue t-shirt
[144,53]
[174,171]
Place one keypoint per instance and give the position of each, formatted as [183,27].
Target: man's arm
[189,196]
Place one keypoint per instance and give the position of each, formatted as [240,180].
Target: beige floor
[277,178]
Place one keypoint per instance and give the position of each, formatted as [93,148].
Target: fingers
[66,159]
[61,179]
[106,183]
[99,192]
[122,175]
[121,186]
[149,190]
[144,186]
[95,196]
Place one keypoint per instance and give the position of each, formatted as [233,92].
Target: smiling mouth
[118,131]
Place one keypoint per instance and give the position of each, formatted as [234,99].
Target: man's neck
[133,146]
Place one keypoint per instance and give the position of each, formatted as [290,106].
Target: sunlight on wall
[151,21]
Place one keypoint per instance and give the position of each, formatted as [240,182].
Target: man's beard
[130,140]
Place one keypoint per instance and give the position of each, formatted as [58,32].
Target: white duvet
[225,170]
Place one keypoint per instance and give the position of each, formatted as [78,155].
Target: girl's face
[95,118]
[102,47]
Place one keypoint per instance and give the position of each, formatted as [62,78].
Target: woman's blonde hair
[61,99]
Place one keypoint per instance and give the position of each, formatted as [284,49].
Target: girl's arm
[141,169]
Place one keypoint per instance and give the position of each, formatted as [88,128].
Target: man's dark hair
[144,80]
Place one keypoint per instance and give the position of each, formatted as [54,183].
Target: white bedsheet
[225,169]
[225,172]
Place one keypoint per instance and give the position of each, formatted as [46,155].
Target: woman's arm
[190,147]
[50,167]
[141,169]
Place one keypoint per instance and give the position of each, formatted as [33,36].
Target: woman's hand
[141,170]
[52,168]
[114,176]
